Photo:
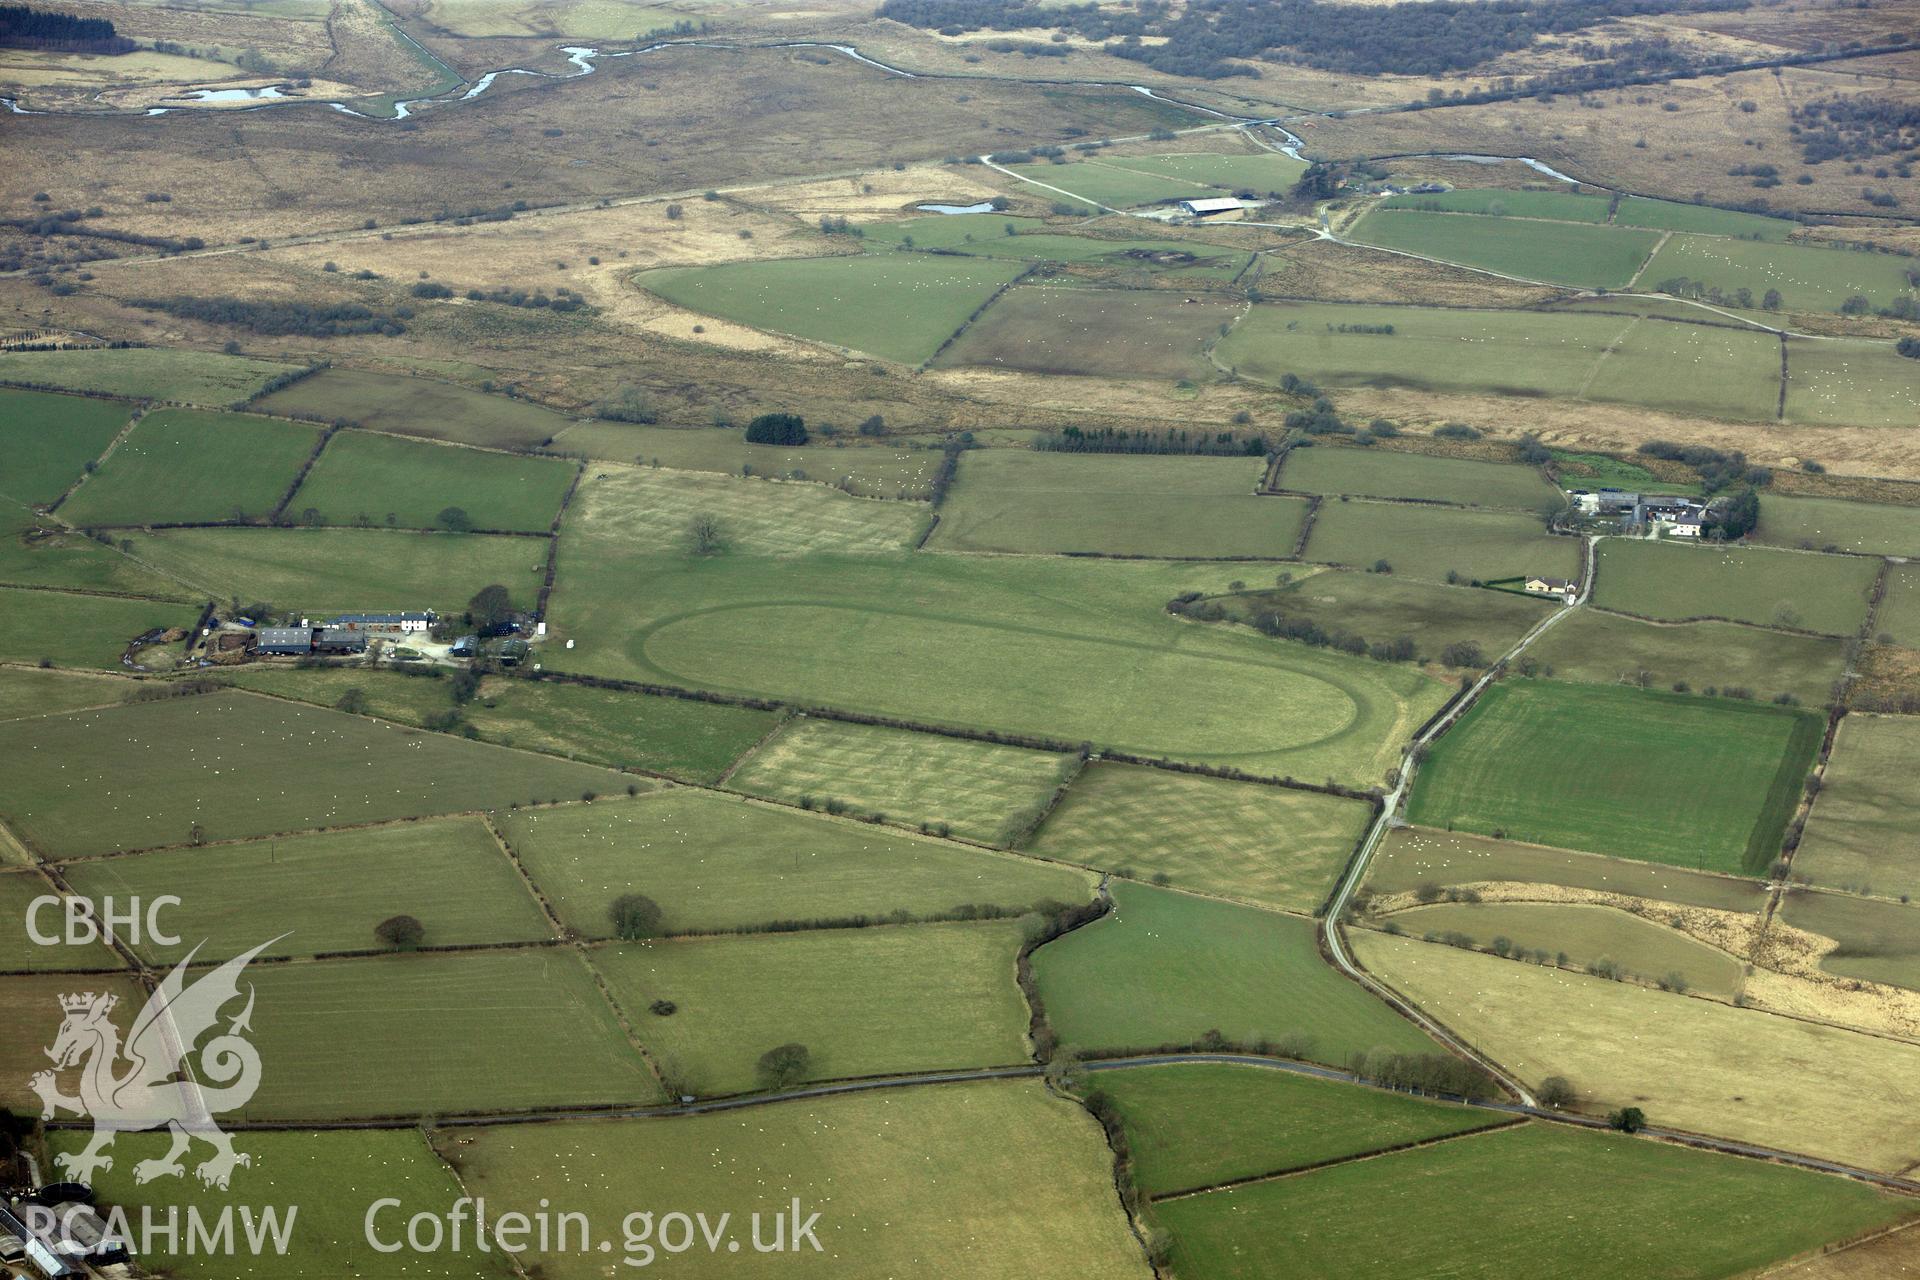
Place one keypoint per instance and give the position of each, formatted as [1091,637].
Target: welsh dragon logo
[151,1081]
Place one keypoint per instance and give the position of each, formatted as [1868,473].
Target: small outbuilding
[340,640]
[1551,587]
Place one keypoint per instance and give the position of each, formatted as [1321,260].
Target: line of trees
[1149,440]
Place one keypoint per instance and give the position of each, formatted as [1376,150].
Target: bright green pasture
[28,691]
[888,470]
[81,631]
[1605,470]
[19,891]
[1568,253]
[1808,277]
[1861,835]
[994,1181]
[1871,528]
[896,306]
[418,407]
[1668,215]
[1112,183]
[48,440]
[1879,940]
[1556,206]
[1129,334]
[1015,500]
[1899,614]
[961,231]
[74,560]
[1410,857]
[987,235]
[690,740]
[333,1176]
[1586,935]
[640,511]
[1265,173]
[1075,649]
[1697,782]
[1713,370]
[872,1001]
[1521,1201]
[1718,370]
[320,571]
[1383,607]
[326,891]
[1269,845]
[714,862]
[145,373]
[366,478]
[1201,1124]
[238,765]
[975,790]
[1866,384]
[1610,648]
[438,1034]
[1429,542]
[1827,594]
[194,465]
[1166,968]
[1380,473]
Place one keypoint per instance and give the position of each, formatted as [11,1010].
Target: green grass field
[1112,183]
[1596,470]
[189,465]
[864,1001]
[237,765]
[437,1034]
[1109,333]
[374,479]
[1861,837]
[1879,940]
[1479,1206]
[1166,968]
[1200,1124]
[1696,1065]
[48,440]
[19,889]
[1808,278]
[1017,501]
[31,1005]
[36,692]
[975,790]
[685,739]
[1557,252]
[1827,594]
[1586,935]
[1898,617]
[1868,527]
[145,373]
[1017,639]
[992,235]
[1021,1188]
[81,631]
[1667,215]
[1848,384]
[1264,173]
[1696,782]
[321,571]
[418,407]
[1378,473]
[885,470]
[326,892]
[1556,206]
[332,1176]
[896,306]
[713,862]
[1269,845]
[1379,606]
[1609,648]
[50,559]
[1530,354]
[642,512]
[1712,370]
[1410,857]
[1430,542]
